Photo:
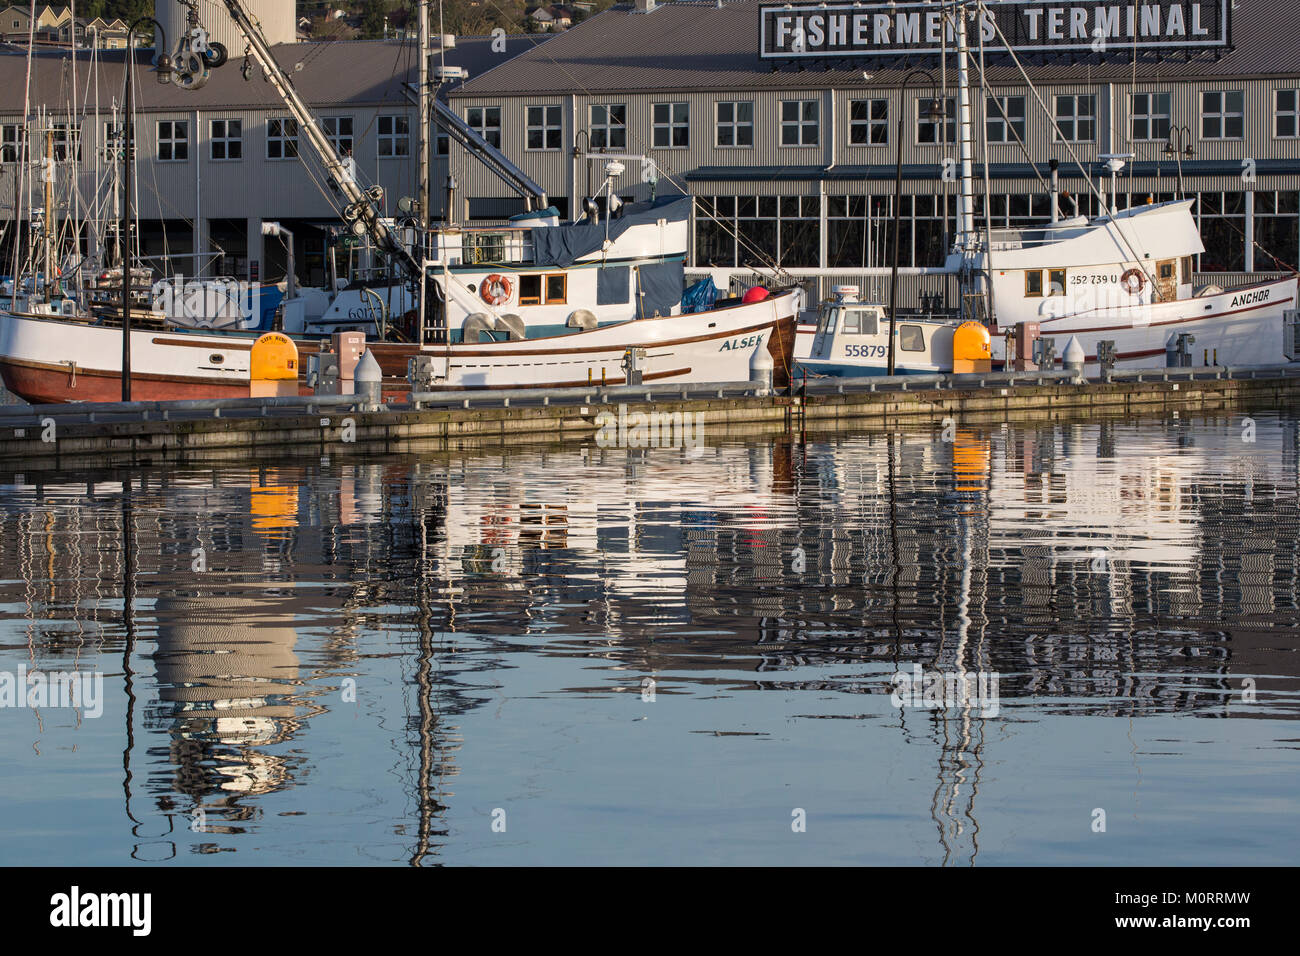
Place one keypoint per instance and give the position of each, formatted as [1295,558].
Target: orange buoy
[972,348]
[273,366]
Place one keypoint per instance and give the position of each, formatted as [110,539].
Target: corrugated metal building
[796,163]
[215,162]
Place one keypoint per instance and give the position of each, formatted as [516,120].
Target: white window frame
[1154,113]
[169,139]
[393,136]
[806,117]
[609,129]
[277,134]
[551,118]
[945,127]
[225,138]
[13,142]
[333,128]
[1013,123]
[668,122]
[1223,114]
[871,124]
[735,124]
[487,123]
[1076,117]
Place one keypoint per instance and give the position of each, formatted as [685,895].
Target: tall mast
[47,174]
[422,11]
[966,214]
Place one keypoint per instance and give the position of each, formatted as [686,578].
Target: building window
[735,123]
[112,141]
[756,231]
[1004,121]
[13,143]
[486,121]
[936,130]
[1223,114]
[1150,116]
[1221,218]
[1277,229]
[338,129]
[67,142]
[226,139]
[282,138]
[394,135]
[868,122]
[608,124]
[1286,115]
[1076,119]
[173,141]
[799,123]
[860,233]
[442,145]
[543,128]
[671,127]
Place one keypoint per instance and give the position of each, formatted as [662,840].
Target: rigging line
[671,173]
[22,155]
[1038,98]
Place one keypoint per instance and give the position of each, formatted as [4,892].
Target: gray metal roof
[697,45]
[333,73]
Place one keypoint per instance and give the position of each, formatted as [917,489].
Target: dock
[86,435]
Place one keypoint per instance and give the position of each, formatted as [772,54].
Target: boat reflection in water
[320,650]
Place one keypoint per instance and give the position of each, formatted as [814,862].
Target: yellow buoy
[972,348]
[273,366]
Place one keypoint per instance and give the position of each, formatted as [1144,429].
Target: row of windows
[225,139]
[740,231]
[1222,117]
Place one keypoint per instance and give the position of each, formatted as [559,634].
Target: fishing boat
[535,303]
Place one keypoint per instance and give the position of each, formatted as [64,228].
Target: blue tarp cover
[661,287]
[565,244]
[612,285]
[701,296]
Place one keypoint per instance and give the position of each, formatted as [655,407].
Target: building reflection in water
[1095,579]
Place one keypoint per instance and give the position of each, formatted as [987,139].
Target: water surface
[565,655]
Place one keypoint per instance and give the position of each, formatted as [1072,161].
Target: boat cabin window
[1056,282]
[532,287]
[1167,270]
[1034,282]
[1187,268]
[557,289]
[911,338]
[828,320]
[861,321]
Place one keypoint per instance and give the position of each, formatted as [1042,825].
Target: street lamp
[163,66]
[934,107]
[1180,145]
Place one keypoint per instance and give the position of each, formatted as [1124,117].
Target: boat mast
[422,11]
[966,223]
[47,247]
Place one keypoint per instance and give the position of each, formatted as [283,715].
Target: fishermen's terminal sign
[893,29]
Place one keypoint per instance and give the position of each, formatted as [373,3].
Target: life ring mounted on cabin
[1133,281]
[495,289]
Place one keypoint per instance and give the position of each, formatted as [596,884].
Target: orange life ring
[495,289]
[1133,281]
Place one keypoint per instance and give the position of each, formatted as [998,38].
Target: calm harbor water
[565,655]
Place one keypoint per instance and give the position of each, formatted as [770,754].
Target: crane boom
[361,212]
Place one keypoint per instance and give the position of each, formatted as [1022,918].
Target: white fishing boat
[536,303]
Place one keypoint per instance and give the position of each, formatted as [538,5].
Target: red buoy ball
[756,294]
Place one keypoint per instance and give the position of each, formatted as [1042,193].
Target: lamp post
[163,66]
[1180,145]
[931,109]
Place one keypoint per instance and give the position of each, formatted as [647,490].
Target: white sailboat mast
[422,11]
[965,134]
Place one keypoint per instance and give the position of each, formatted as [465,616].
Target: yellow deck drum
[972,348]
[273,366]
